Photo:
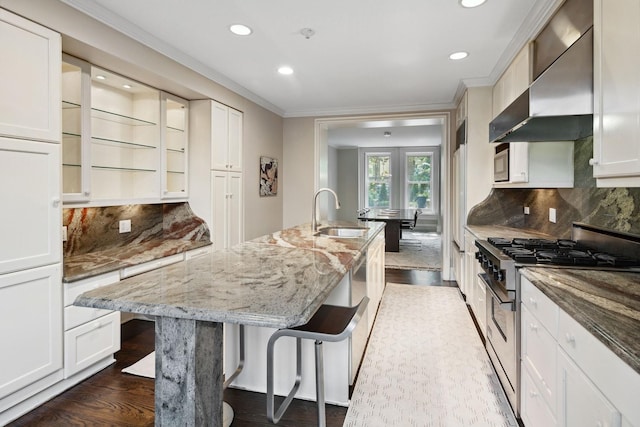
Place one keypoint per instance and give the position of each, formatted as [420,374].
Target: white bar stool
[330,323]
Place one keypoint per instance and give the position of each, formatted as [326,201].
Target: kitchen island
[275,281]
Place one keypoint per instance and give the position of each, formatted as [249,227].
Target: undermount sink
[342,232]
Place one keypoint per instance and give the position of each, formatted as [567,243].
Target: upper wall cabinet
[76,153]
[226,138]
[125,138]
[123,141]
[175,119]
[514,81]
[29,80]
[616,127]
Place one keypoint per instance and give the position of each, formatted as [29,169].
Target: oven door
[501,337]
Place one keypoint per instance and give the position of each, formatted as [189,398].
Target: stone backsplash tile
[97,228]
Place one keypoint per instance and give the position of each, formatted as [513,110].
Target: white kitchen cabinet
[513,82]
[76,146]
[547,164]
[216,193]
[472,285]
[31,330]
[175,138]
[91,342]
[581,403]
[568,373]
[616,126]
[125,139]
[227,209]
[226,138]
[29,79]
[480,305]
[375,278]
[90,335]
[471,267]
[30,185]
[533,409]
[538,355]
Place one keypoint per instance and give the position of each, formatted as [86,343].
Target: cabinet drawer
[91,342]
[151,265]
[76,316]
[538,304]
[74,289]
[533,409]
[538,351]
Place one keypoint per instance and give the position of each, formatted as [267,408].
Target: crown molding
[125,27]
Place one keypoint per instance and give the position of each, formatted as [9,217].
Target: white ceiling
[367,56]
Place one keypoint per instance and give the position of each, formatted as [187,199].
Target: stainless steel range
[590,247]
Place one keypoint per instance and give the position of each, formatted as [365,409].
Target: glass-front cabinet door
[175,118]
[76,176]
[125,138]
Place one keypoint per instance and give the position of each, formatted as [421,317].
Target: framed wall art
[268,176]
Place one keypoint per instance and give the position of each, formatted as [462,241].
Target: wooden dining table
[394,219]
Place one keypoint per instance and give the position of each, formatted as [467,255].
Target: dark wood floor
[116,399]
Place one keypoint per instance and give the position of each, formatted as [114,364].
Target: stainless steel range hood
[558,106]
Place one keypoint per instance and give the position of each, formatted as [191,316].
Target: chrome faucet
[314,225]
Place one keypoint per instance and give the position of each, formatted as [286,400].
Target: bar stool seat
[330,323]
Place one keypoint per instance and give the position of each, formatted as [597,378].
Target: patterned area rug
[425,366]
[418,251]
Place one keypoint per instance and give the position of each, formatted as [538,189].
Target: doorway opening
[391,161]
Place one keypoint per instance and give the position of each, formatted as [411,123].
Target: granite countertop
[606,303]
[278,280]
[78,267]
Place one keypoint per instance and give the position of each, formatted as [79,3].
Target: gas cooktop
[561,252]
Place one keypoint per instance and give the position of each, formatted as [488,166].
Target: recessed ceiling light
[100,77]
[240,30]
[126,86]
[458,55]
[286,70]
[471,3]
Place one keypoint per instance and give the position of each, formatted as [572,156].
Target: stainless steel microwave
[501,163]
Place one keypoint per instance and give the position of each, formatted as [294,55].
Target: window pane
[378,180]
[419,181]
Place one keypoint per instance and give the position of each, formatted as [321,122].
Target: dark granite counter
[605,303]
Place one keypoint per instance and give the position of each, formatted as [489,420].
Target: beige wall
[298,170]
[99,44]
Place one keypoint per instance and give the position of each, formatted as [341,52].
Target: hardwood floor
[113,398]
[417,277]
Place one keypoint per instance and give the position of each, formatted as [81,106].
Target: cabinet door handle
[593,162]
[533,393]
[55,202]
[533,302]
[570,338]
[533,327]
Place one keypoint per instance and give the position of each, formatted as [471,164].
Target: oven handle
[503,300]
